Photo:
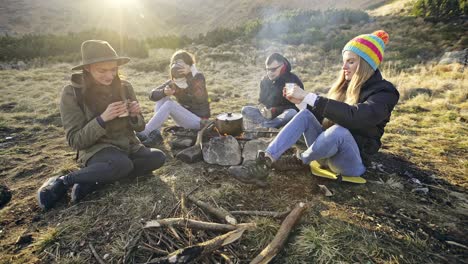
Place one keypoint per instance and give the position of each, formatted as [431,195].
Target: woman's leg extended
[281,119]
[146,160]
[183,117]
[303,123]
[106,166]
[160,116]
[340,150]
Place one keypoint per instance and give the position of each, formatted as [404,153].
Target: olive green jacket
[86,135]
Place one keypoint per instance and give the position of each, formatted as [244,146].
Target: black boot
[154,139]
[50,192]
[80,190]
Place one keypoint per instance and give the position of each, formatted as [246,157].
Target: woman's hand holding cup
[114,110]
[134,108]
[294,93]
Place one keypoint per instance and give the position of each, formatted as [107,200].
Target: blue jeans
[334,147]
[253,113]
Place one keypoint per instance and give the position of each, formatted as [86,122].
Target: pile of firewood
[203,234]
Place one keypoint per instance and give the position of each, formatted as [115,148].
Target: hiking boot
[253,172]
[50,192]
[154,139]
[291,162]
[142,137]
[80,190]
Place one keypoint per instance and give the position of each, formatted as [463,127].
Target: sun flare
[122,3]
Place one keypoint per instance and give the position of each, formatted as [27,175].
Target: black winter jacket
[271,92]
[365,120]
[194,97]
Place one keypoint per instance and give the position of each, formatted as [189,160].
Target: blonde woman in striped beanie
[339,128]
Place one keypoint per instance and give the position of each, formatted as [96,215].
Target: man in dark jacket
[274,110]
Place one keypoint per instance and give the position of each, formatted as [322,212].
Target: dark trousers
[111,164]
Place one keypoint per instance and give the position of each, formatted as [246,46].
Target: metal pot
[229,123]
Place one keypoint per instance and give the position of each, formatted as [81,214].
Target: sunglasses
[273,69]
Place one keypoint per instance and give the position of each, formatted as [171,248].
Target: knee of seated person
[246,109]
[159,157]
[338,131]
[304,114]
[162,102]
[121,166]
[290,111]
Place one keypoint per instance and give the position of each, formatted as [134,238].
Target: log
[194,153]
[195,224]
[278,241]
[219,213]
[279,215]
[196,252]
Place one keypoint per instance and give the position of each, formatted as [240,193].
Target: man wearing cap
[188,87]
[100,114]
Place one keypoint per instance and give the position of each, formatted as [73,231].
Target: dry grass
[380,222]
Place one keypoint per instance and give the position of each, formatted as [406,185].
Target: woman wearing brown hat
[100,115]
[187,85]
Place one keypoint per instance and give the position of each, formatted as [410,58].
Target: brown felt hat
[94,51]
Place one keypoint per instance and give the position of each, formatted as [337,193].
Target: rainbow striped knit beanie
[370,47]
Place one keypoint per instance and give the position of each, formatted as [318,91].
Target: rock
[191,154]
[182,142]
[421,190]
[252,147]
[222,151]
[455,57]
[5,195]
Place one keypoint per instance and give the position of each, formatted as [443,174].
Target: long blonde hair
[349,91]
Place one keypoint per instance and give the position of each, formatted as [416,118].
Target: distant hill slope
[143,18]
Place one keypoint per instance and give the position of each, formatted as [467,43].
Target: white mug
[290,87]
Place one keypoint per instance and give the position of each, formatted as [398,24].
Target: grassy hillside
[146,18]
[388,220]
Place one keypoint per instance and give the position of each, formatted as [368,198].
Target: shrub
[168,42]
[32,46]
[440,9]
[149,65]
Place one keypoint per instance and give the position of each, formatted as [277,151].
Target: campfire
[215,147]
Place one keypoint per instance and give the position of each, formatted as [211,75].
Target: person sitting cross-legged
[274,110]
[100,114]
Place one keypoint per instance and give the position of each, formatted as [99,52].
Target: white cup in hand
[290,88]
